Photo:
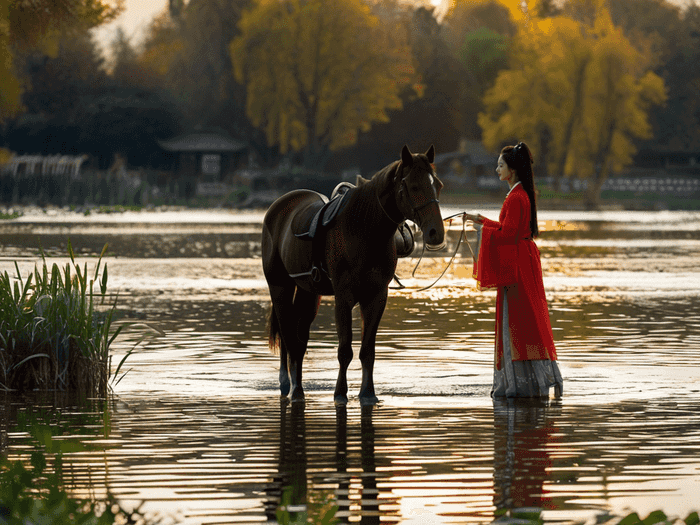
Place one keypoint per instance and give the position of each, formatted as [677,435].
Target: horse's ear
[431,154]
[406,157]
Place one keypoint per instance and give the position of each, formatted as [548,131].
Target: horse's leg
[282,304]
[343,324]
[305,308]
[372,311]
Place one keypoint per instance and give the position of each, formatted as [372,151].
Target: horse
[353,259]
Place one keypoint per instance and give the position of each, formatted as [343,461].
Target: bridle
[415,210]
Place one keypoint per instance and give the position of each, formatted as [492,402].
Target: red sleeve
[497,260]
[507,230]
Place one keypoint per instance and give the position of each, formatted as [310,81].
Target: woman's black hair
[519,158]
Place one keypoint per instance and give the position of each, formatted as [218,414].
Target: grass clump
[54,332]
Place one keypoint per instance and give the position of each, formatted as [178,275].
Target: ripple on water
[197,429]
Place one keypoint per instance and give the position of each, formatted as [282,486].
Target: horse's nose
[432,236]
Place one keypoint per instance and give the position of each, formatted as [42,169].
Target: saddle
[312,226]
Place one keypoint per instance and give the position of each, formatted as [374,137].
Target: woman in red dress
[508,259]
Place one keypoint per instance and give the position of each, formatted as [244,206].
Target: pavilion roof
[202,141]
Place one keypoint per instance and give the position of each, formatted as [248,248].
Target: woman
[508,259]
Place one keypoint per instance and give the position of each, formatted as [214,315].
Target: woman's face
[504,171]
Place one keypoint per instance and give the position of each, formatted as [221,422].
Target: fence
[63,181]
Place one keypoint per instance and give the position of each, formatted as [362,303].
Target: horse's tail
[273,331]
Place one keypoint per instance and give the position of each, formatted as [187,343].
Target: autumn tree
[187,48]
[579,92]
[318,72]
[670,36]
[36,26]
[433,118]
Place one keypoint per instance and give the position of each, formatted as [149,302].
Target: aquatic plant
[533,516]
[55,331]
[36,493]
[320,509]
[8,216]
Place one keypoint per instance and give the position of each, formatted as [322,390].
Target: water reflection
[197,429]
[352,488]
[523,433]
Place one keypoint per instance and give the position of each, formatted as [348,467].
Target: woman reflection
[508,259]
[522,433]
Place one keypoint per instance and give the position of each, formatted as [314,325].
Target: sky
[134,20]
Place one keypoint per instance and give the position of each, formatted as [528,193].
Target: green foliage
[52,333]
[484,52]
[35,493]
[8,216]
[533,516]
[320,511]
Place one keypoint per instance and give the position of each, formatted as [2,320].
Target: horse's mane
[381,178]
[366,202]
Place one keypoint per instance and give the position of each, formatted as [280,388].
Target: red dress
[509,260]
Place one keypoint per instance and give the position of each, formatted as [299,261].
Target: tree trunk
[576,108]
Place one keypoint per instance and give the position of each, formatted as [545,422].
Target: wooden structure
[209,156]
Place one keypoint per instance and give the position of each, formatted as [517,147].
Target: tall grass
[55,330]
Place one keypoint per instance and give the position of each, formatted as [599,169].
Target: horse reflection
[523,431]
[289,487]
[369,497]
[293,493]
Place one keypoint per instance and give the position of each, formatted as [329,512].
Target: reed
[55,329]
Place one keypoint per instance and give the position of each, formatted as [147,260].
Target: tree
[37,25]
[54,89]
[191,55]
[318,72]
[671,36]
[55,85]
[579,92]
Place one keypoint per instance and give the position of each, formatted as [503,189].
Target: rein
[404,193]
[462,236]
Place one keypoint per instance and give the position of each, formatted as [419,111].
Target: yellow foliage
[163,45]
[36,24]
[587,86]
[317,72]
[5,156]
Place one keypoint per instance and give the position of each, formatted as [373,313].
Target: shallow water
[198,433]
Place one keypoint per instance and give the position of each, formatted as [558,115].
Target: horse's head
[417,191]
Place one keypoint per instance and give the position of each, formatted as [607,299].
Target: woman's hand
[474,217]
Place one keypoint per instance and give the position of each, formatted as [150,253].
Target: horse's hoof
[340,400]
[369,401]
[297,395]
[284,390]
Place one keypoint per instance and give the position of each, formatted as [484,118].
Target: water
[197,433]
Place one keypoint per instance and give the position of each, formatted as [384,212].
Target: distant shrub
[55,332]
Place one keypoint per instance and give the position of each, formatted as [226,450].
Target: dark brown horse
[357,262]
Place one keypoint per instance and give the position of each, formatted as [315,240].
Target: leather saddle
[310,224]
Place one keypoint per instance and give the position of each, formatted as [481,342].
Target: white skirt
[531,378]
